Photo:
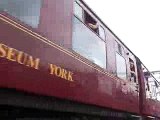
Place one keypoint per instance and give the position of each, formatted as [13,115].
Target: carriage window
[121,66]
[102,32]
[153,85]
[84,40]
[78,11]
[27,11]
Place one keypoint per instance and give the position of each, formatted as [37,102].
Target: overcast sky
[136,23]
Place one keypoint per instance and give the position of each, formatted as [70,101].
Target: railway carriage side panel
[56,21]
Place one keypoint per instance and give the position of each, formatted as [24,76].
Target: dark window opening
[132,67]
[132,70]
[119,49]
[89,21]
[147,86]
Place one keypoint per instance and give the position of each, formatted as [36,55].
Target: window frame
[125,65]
[99,40]
[100,26]
[134,71]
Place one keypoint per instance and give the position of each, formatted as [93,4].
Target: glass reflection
[27,11]
[88,44]
[121,67]
[151,85]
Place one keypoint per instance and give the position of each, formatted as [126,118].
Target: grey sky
[136,23]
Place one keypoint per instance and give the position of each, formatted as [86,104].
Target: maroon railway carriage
[59,60]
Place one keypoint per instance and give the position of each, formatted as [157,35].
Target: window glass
[101,32]
[88,44]
[153,87]
[27,11]
[121,67]
[78,11]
